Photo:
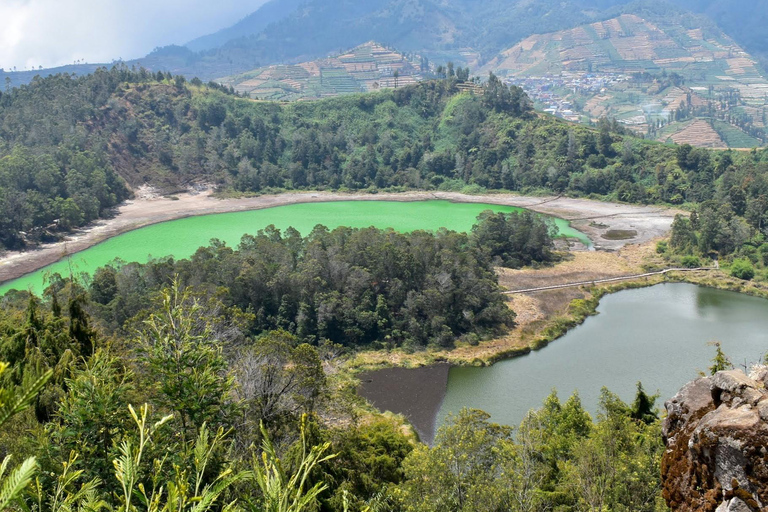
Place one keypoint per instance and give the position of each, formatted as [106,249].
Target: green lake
[180,238]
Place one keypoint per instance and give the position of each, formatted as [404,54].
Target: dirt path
[593,218]
[607,280]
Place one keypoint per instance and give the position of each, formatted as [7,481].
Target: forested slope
[163,130]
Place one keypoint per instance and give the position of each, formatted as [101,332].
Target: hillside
[461,31]
[65,141]
[654,76]
[67,145]
[743,21]
[365,68]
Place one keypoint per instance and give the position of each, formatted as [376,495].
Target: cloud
[55,32]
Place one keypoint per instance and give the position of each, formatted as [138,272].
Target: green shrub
[452,185]
[661,247]
[474,188]
[690,262]
[750,252]
[742,269]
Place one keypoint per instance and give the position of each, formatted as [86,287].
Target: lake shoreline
[589,217]
[552,330]
[549,328]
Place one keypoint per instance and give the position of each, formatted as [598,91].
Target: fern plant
[13,482]
[177,495]
[284,493]
[67,496]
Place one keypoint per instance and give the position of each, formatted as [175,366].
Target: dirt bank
[596,219]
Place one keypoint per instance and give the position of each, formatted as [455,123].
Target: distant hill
[743,20]
[463,31]
[367,67]
[466,32]
[17,78]
[670,82]
[628,43]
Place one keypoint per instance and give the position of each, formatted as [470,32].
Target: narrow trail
[613,215]
[607,280]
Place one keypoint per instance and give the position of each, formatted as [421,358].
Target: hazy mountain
[291,31]
[743,20]
[271,12]
[467,32]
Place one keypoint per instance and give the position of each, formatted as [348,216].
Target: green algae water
[181,238]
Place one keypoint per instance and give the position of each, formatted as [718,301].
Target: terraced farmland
[621,68]
[699,133]
[365,68]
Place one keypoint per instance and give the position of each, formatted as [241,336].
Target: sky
[51,33]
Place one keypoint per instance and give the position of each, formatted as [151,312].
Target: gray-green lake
[658,335]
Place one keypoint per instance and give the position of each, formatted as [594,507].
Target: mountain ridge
[446,30]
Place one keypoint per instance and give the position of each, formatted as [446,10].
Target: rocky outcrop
[716,434]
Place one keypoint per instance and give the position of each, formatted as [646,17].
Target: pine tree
[720,362]
[644,407]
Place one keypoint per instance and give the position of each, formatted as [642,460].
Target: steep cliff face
[716,434]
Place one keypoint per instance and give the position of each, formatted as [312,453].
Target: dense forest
[163,130]
[731,225]
[267,423]
[353,288]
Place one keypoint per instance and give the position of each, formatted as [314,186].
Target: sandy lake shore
[637,224]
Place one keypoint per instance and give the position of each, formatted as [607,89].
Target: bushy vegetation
[514,239]
[731,226]
[742,269]
[559,459]
[42,194]
[245,408]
